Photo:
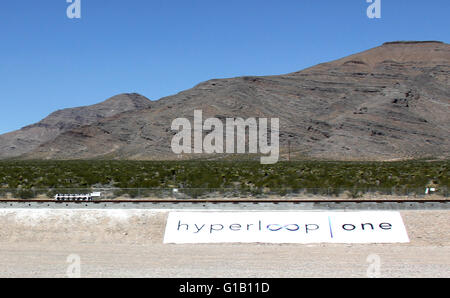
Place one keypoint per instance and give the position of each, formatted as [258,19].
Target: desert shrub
[246,177]
[25,194]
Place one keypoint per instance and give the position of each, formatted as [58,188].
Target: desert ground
[129,243]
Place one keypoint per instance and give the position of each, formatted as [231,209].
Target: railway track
[235,204]
[235,201]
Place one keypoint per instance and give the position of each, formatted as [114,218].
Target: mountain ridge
[21,141]
[389,102]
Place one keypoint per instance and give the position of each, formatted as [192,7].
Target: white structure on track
[78,197]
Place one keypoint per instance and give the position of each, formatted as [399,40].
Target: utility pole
[289,150]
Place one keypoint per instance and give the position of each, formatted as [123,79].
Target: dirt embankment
[147,226]
[81,226]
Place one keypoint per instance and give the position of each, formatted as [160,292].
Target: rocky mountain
[390,102]
[30,137]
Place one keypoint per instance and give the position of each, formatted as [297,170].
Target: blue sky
[158,48]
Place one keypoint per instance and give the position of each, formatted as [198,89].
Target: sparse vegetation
[30,178]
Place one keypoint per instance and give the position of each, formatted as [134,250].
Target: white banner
[285,227]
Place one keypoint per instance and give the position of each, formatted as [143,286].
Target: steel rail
[234,201]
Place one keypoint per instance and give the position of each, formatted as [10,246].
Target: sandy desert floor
[130,245]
